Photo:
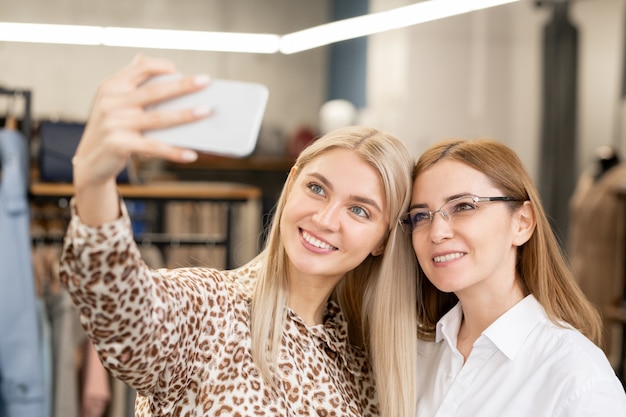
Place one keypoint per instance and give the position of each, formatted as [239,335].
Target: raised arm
[114,132]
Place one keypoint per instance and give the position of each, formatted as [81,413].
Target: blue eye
[360,211]
[316,188]
[419,217]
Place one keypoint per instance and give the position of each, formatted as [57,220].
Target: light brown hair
[542,267]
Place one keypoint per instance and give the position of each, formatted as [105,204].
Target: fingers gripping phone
[233,127]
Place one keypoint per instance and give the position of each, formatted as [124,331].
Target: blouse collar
[333,333]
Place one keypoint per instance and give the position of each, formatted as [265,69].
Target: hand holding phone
[233,127]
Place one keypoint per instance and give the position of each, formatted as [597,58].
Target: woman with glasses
[505,330]
[285,334]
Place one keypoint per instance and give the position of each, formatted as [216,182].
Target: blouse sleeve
[596,397]
[144,323]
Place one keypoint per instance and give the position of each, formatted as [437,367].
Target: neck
[311,312]
[308,297]
[479,313]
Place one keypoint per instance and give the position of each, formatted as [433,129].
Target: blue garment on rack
[22,377]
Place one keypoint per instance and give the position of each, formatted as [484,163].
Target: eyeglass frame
[405,221]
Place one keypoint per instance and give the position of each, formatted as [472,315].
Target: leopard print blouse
[181,337]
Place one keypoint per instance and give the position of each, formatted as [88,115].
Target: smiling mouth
[448,257]
[316,242]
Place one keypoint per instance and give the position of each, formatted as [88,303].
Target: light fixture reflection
[42,33]
[191,40]
[372,23]
[302,40]
[140,38]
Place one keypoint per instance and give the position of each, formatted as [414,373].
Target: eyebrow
[367,201]
[448,199]
[363,200]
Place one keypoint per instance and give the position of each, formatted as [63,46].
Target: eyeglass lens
[456,209]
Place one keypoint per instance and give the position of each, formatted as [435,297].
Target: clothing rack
[26,125]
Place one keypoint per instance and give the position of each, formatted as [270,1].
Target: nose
[327,217]
[440,227]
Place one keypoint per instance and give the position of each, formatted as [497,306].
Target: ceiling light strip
[139,38]
[43,33]
[372,23]
[314,37]
[191,40]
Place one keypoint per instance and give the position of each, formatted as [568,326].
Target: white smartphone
[233,127]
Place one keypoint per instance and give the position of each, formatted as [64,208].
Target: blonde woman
[284,335]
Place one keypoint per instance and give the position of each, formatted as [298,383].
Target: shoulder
[582,377]
[563,341]
[247,274]
[573,359]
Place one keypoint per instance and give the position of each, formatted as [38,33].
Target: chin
[447,287]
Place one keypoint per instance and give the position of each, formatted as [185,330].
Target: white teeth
[316,242]
[447,257]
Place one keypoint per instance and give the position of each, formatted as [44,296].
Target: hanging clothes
[596,247]
[65,334]
[22,376]
[557,176]
[96,390]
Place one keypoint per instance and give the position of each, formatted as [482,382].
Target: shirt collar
[448,326]
[510,330]
[507,333]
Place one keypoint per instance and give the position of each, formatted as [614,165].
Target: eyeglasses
[456,209]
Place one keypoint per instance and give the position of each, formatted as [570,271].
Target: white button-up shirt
[522,365]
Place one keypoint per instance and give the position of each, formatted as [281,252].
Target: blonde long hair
[379,290]
[542,266]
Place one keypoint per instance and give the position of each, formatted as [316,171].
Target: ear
[524,223]
[291,177]
[380,248]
